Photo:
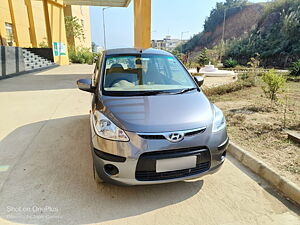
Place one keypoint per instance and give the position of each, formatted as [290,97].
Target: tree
[203,59]
[215,19]
[177,54]
[216,16]
[74,30]
[94,47]
[276,36]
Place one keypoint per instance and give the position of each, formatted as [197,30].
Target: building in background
[40,24]
[167,43]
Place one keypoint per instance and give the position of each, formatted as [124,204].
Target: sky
[169,17]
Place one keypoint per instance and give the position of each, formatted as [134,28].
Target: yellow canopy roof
[111,3]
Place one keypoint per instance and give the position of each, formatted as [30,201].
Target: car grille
[160,136]
[154,137]
[152,175]
[146,166]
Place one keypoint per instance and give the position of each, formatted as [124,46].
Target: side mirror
[199,80]
[85,85]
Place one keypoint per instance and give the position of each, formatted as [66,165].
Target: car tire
[97,178]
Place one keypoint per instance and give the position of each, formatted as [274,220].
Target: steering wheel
[118,80]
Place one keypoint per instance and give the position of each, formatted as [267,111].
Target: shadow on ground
[36,82]
[50,179]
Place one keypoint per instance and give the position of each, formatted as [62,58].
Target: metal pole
[103,20]
[181,38]
[223,34]
[104,37]
[181,41]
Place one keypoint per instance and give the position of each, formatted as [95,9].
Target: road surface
[46,169]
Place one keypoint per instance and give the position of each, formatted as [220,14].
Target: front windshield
[136,74]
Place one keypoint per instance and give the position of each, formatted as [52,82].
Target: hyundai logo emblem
[175,137]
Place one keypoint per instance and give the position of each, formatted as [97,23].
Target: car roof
[136,51]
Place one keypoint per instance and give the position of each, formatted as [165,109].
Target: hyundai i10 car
[150,121]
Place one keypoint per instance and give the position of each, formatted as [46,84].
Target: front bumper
[136,159]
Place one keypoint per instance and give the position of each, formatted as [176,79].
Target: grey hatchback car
[150,121]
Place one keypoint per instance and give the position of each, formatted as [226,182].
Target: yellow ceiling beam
[142,23]
[12,16]
[55,3]
[31,23]
[47,23]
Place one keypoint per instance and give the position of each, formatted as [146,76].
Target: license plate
[164,165]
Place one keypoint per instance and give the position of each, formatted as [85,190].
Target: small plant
[254,64]
[295,69]
[273,84]
[230,63]
[285,111]
[254,61]
[44,43]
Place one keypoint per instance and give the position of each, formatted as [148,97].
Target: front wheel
[97,179]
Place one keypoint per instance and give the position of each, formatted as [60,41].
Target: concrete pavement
[46,169]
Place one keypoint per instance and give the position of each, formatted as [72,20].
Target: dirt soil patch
[210,82]
[259,126]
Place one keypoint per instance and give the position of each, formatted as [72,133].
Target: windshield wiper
[147,93]
[184,91]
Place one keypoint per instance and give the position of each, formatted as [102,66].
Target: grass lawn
[258,126]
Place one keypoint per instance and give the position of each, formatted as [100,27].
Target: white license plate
[164,165]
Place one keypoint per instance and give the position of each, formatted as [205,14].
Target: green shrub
[273,84]
[295,69]
[224,89]
[230,63]
[244,76]
[81,55]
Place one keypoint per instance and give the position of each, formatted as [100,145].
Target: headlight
[107,129]
[219,120]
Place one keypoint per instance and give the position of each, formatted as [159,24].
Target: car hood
[159,113]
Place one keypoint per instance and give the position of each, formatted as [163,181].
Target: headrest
[116,65]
